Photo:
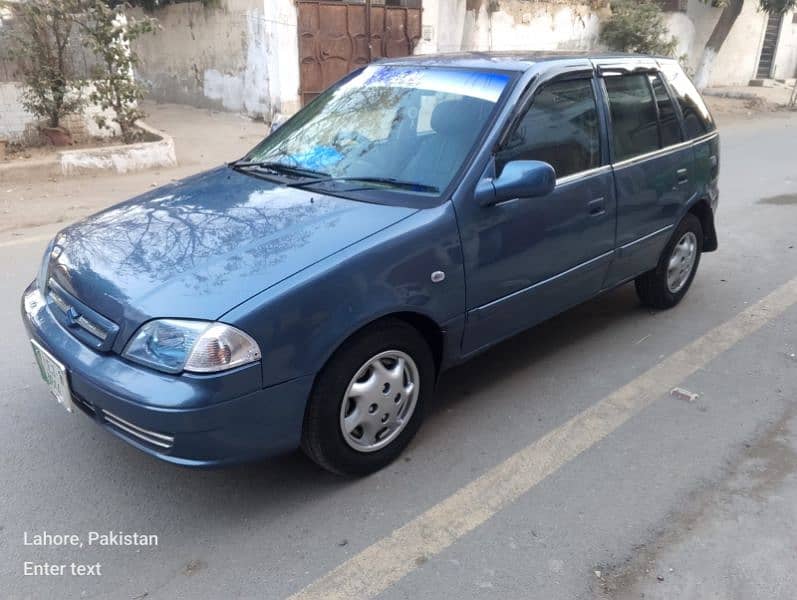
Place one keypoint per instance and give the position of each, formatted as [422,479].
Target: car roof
[511,60]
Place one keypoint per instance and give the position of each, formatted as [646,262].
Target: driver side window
[560,128]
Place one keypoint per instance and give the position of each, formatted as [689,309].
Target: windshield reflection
[389,124]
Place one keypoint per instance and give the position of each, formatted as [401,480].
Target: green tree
[40,38]
[637,26]
[108,32]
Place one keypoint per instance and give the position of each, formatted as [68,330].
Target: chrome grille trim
[74,315]
[151,437]
[92,328]
[59,302]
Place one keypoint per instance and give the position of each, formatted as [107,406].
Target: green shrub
[637,26]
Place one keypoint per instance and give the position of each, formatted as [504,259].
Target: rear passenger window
[669,126]
[635,128]
[560,128]
[697,119]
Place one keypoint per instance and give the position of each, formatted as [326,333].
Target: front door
[530,258]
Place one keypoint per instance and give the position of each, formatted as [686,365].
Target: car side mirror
[519,179]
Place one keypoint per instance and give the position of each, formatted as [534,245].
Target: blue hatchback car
[416,213]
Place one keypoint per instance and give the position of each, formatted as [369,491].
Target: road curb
[120,159]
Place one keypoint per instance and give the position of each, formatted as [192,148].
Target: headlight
[175,345]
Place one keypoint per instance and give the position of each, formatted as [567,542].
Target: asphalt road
[557,465]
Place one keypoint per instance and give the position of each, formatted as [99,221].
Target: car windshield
[404,128]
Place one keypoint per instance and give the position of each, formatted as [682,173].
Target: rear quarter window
[635,126]
[697,118]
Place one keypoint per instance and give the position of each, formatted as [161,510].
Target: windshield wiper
[388,181]
[278,167]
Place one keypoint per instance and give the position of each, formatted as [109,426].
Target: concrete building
[267,57]
[264,57]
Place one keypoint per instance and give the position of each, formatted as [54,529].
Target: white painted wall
[683,29]
[522,25]
[786,56]
[444,24]
[737,61]
[242,56]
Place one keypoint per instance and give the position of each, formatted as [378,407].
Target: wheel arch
[702,210]
[427,327]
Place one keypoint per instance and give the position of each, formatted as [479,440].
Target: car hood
[201,246]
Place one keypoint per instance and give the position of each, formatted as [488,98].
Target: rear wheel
[665,286]
[367,402]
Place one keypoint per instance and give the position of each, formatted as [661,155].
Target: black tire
[651,287]
[322,439]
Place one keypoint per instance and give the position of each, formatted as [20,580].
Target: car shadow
[543,341]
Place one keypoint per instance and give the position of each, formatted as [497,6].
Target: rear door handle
[597,207]
[683,176]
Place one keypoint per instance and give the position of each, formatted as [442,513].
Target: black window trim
[711,123]
[645,72]
[527,101]
[675,103]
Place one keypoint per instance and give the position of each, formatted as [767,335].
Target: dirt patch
[745,108]
[700,532]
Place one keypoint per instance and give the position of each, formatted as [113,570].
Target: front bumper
[190,420]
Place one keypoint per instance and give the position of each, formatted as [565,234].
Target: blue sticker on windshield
[474,84]
[319,158]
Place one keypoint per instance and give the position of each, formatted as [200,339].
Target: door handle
[597,207]
[683,176]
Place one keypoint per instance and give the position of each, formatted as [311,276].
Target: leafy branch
[108,33]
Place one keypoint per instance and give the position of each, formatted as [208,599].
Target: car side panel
[707,156]
[652,193]
[532,258]
[303,320]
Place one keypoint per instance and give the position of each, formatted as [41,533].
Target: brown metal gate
[334,39]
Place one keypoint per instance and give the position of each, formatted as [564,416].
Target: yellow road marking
[385,562]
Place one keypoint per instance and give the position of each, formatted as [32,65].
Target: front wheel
[367,402]
[665,286]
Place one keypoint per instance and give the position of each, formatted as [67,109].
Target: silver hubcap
[682,261]
[379,401]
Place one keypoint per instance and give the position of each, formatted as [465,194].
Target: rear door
[652,165]
[700,130]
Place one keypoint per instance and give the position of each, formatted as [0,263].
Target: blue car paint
[310,269]
[215,419]
[179,251]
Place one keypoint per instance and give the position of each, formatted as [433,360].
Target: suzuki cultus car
[414,214]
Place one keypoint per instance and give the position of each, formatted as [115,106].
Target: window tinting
[669,127]
[560,128]
[697,119]
[634,124]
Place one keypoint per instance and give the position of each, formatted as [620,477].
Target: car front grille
[153,438]
[87,325]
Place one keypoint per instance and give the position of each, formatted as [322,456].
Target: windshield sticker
[460,82]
